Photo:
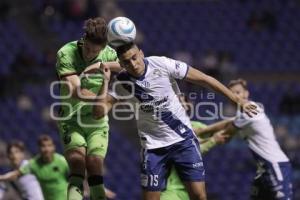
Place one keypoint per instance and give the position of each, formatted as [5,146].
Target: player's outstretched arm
[104,101]
[10,176]
[199,78]
[218,138]
[213,128]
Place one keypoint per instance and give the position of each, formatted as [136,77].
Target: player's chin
[138,72]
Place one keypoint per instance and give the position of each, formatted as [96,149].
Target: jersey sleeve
[64,64]
[175,68]
[25,169]
[109,55]
[112,55]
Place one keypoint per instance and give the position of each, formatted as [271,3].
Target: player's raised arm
[74,87]
[104,101]
[10,176]
[197,77]
[94,68]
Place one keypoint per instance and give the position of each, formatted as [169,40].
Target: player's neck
[47,159]
[16,165]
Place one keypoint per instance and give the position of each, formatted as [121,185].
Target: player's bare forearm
[114,66]
[84,95]
[74,87]
[10,176]
[100,109]
[199,78]
[104,101]
[213,128]
[230,129]
[94,68]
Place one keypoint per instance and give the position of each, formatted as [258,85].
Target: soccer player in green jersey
[175,189]
[50,169]
[85,140]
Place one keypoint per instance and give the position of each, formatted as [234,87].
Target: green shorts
[93,135]
[174,195]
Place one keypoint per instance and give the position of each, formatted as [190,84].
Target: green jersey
[196,124]
[51,176]
[69,62]
[174,183]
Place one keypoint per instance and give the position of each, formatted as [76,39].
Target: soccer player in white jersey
[27,186]
[273,178]
[164,128]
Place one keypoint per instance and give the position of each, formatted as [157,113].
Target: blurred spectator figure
[24,103]
[281,132]
[259,21]
[291,143]
[184,56]
[3,159]
[228,69]
[45,113]
[48,62]
[50,58]
[210,64]
[47,117]
[24,68]
[77,10]
[108,9]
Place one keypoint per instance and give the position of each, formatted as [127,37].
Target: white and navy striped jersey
[259,134]
[161,119]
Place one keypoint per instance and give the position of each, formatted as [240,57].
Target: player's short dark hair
[44,138]
[239,81]
[124,48]
[15,144]
[95,30]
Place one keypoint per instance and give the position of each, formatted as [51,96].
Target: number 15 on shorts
[149,180]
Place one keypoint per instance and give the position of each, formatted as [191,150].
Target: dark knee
[199,197]
[151,195]
[75,159]
[94,165]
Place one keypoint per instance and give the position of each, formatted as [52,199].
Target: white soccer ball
[121,30]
